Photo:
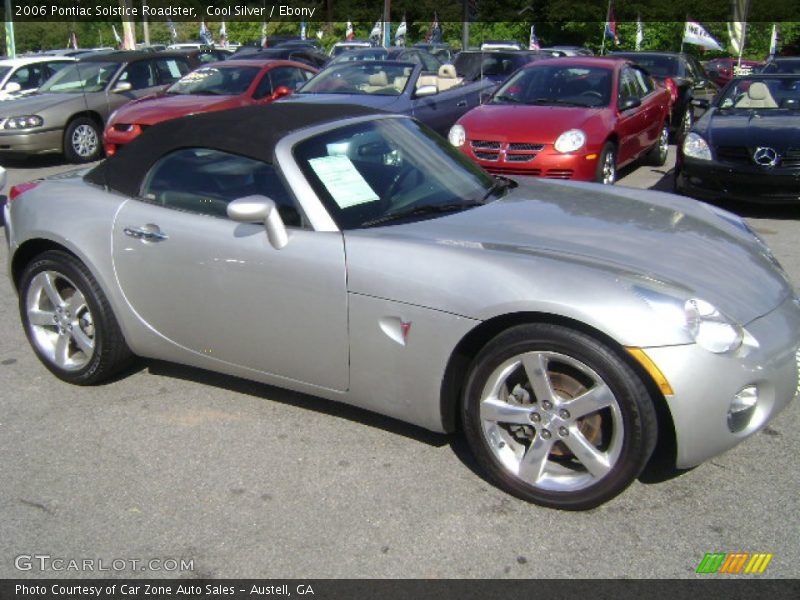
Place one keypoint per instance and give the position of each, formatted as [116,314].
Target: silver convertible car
[567,329]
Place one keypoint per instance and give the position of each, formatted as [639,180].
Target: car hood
[779,129]
[36,103]
[686,246]
[372,101]
[542,124]
[154,109]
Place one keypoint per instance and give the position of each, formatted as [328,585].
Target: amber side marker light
[649,366]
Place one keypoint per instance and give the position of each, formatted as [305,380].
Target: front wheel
[68,320]
[556,417]
[607,165]
[82,141]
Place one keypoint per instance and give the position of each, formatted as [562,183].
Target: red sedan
[569,118]
[217,86]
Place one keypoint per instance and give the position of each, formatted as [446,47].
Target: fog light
[742,408]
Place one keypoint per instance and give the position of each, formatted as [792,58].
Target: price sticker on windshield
[343,181]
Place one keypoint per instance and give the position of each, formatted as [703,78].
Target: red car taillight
[21,188]
[673,89]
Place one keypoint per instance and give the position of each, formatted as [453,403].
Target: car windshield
[215,81]
[354,55]
[557,85]
[389,170]
[474,65]
[761,93]
[361,78]
[81,77]
[660,66]
[783,66]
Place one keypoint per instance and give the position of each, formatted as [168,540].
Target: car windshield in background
[361,78]
[557,85]
[368,54]
[792,67]
[390,170]
[762,94]
[660,66]
[81,77]
[474,65]
[215,81]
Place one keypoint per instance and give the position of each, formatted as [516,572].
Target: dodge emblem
[765,157]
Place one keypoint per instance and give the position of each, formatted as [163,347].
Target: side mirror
[484,96]
[11,87]
[280,92]
[426,90]
[122,86]
[260,209]
[701,103]
[629,103]
[3,177]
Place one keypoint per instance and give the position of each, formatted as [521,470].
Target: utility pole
[145,24]
[11,47]
[465,27]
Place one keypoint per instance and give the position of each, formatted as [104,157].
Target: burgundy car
[217,86]
[569,118]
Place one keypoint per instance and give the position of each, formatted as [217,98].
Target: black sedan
[747,146]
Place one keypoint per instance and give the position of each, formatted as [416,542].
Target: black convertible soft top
[252,131]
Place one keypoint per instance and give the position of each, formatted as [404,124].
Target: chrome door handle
[145,233]
[461,103]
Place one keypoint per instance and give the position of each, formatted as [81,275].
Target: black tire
[608,159]
[657,155]
[687,120]
[80,315]
[622,434]
[82,141]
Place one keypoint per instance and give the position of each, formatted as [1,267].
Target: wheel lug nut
[546,434]
[563,431]
[547,405]
[564,414]
[536,417]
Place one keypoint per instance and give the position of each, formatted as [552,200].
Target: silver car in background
[565,328]
[68,113]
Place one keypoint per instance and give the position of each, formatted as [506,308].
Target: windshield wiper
[504,98]
[556,101]
[500,185]
[429,209]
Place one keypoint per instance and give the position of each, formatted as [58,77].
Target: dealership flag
[116,35]
[695,34]
[173,33]
[376,34]
[773,42]
[611,24]
[205,34]
[435,33]
[73,41]
[639,33]
[400,35]
[533,44]
[348,34]
[263,34]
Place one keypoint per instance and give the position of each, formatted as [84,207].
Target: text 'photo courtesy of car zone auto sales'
[429,235]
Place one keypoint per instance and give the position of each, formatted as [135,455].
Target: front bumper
[544,162]
[718,181]
[704,384]
[31,142]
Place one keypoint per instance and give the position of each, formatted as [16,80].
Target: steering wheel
[398,179]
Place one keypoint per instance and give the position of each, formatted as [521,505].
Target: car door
[217,288]
[142,78]
[631,122]
[440,110]
[653,109]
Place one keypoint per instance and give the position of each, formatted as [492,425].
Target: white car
[25,75]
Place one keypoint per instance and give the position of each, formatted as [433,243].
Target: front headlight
[24,122]
[570,141]
[457,135]
[696,147]
[710,328]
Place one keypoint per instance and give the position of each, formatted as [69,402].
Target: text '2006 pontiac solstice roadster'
[566,328]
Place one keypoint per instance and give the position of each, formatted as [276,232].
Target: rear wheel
[687,120]
[657,156]
[82,141]
[69,321]
[556,417]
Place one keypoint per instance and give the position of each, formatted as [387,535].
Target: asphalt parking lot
[238,479]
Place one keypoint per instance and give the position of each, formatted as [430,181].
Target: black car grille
[744,156]
[519,157]
[487,155]
[530,147]
[485,145]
